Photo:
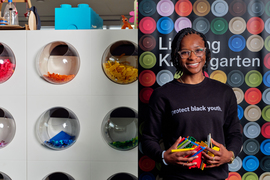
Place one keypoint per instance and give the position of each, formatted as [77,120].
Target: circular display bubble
[266,61]
[165,25]
[147,78]
[253,96]
[265,147]
[235,78]
[146,164]
[237,8]
[251,146]
[123,176]
[250,176]
[7,63]
[219,76]
[58,62]
[266,113]
[147,60]
[219,26]
[147,42]
[120,128]
[237,25]
[265,163]
[252,113]
[4,176]
[240,112]
[267,43]
[219,8]
[267,25]
[234,176]
[255,8]
[265,176]
[201,24]
[147,176]
[265,130]
[58,128]
[252,130]
[182,23]
[253,78]
[239,94]
[147,7]
[235,165]
[164,76]
[183,7]
[8,127]
[147,25]
[266,96]
[58,175]
[255,43]
[201,7]
[255,25]
[145,94]
[250,163]
[120,62]
[165,7]
[237,43]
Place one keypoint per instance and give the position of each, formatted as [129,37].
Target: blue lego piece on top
[81,17]
[61,136]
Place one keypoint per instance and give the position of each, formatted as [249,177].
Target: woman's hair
[176,47]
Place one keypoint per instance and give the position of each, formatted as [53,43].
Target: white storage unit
[90,95]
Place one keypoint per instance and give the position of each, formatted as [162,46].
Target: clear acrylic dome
[120,128]
[122,176]
[3,176]
[58,62]
[58,128]
[7,127]
[120,62]
[58,176]
[7,62]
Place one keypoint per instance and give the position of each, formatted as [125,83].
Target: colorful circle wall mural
[238,36]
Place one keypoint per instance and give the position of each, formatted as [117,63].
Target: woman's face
[192,64]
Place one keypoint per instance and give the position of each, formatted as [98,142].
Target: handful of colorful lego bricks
[120,72]
[6,70]
[190,143]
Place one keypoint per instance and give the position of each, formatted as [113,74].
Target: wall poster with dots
[238,34]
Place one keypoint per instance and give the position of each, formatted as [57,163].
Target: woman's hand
[179,157]
[221,157]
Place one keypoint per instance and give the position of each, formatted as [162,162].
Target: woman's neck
[194,79]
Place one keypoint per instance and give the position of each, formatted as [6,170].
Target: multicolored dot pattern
[238,32]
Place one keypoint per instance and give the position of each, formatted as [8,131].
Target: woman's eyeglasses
[186,53]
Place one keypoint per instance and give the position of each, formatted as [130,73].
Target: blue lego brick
[81,17]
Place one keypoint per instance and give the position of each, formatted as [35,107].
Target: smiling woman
[193,106]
